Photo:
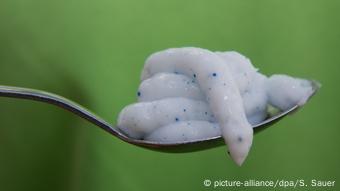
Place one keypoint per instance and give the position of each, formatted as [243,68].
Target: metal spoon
[185,146]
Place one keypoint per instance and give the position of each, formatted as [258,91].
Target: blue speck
[214,74]
[184,110]
[206,113]
[194,75]
[176,72]
[176,119]
[138,94]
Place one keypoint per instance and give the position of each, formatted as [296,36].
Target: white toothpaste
[193,93]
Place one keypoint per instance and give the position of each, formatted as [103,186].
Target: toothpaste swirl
[188,94]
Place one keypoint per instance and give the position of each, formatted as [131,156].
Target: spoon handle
[59,101]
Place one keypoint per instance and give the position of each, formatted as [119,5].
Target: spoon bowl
[177,147]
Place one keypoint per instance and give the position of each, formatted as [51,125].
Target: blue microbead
[176,119]
[138,93]
[184,110]
[214,74]
[194,75]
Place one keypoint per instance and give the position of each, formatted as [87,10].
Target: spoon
[185,146]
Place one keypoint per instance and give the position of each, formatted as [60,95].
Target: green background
[93,52]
